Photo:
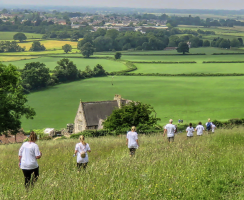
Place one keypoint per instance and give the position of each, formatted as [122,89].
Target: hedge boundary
[227,54]
[163,54]
[162,62]
[157,74]
[223,62]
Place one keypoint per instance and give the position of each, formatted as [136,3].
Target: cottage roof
[94,111]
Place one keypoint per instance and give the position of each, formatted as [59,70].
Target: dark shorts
[132,151]
[82,165]
[171,139]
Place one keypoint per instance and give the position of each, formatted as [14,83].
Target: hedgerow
[223,61]
[162,62]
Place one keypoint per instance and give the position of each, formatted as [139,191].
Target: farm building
[90,115]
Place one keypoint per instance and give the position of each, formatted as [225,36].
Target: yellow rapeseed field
[50,44]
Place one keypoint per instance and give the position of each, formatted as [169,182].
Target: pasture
[208,167]
[225,32]
[190,68]
[10,35]
[192,99]
[81,63]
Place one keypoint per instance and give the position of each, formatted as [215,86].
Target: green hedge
[164,54]
[162,62]
[223,61]
[158,74]
[130,67]
[227,53]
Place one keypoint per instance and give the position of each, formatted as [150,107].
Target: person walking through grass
[213,128]
[190,131]
[28,155]
[170,129]
[209,125]
[132,141]
[81,150]
[199,129]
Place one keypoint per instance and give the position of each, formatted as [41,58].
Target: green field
[10,35]
[178,58]
[208,167]
[81,63]
[190,68]
[224,32]
[190,98]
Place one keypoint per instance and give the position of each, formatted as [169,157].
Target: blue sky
[181,4]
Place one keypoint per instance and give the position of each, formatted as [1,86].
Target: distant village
[118,22]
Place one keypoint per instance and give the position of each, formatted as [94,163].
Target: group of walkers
[171,129]
[29,152]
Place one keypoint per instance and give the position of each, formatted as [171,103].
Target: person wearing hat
[81,150]
[132,141]
[170,129]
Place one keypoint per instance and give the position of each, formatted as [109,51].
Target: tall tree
[37,46]
[183,48]
[117,55]
[66,70]
[67,48]
[132,114]
[87,50]
[20,36]
[35,75]
[12,100]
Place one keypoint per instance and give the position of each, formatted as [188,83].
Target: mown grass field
[208,167]
[81,63]
[222,68]
[178,58]
[10,35]
[188,98]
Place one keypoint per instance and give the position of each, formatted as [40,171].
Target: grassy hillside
[207,167]
[188,98]
[81,63]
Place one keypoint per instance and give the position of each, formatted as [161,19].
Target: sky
[180,4]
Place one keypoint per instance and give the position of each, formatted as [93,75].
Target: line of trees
[36,75]
[7,46]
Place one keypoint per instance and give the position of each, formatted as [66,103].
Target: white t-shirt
[190,131]
[80,148]
[213,127]
[29,151]
[200,129]
[132,137]
[170,130]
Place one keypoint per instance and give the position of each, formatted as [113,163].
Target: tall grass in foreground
[207,167]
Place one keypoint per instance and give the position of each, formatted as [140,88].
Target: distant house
[90,115]
[170,48]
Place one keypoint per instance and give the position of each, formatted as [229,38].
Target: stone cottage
[91,115]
